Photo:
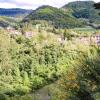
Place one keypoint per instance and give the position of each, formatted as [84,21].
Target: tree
[97,5]
[67,34]
[53,30]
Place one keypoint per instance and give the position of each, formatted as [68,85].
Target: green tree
[67,34]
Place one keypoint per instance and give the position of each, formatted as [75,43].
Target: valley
[50,53]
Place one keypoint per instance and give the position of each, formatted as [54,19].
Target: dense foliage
[29,64]
[82,81]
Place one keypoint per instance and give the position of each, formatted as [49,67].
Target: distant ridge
[13,12]
[72,15]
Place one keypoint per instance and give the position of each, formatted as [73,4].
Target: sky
[33,4]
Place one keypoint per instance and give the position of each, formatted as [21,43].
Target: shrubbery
[29,64]
[82,81]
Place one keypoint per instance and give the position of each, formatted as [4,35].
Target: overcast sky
[33,4]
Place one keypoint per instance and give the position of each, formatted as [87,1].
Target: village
[87,40]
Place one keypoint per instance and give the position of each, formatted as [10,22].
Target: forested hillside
[84,9]
[55,16]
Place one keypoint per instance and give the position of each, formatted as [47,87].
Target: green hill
[58,17]
[84,9]
[9,21]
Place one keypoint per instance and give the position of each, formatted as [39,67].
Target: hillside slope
[58,17]
[9,21]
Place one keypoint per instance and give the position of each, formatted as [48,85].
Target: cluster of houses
[12,31]
[91,40]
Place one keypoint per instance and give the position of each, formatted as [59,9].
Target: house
[29,34]
[11,30]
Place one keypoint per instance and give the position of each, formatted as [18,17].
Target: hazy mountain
[14,12]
